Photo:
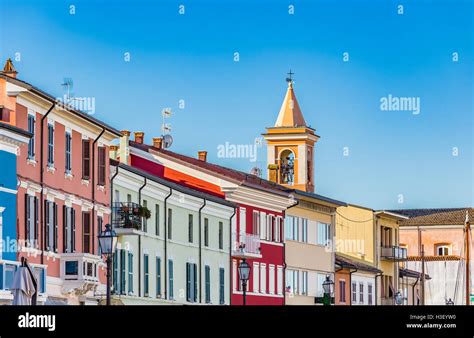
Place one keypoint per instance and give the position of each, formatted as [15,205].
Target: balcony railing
[394,253]
[245,245]
[126,215]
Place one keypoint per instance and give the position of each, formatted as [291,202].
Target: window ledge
[85,182]
[50,169]
[101,188]
[31,161]
[68,176]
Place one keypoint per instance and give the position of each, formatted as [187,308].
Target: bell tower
[290,145]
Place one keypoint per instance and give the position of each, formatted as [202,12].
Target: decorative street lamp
[398,298]
[244,274]
[449,302]
[328,288]
[107,244]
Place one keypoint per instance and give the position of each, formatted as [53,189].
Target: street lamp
[107,244]
[449,302]
[328,287]
[398,298]
[244,274]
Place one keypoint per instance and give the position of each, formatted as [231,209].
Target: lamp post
[449,302]
[328,288]
[107,244]
[398,298]
[244,274]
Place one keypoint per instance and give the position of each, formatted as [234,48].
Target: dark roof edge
[320,197]
[15,130]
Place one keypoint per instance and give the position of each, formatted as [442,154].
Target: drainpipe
[200,250]
[231,267]
[350,283]
[166,242]
[140,243]
[376,293]
[41,220]
[413,291]
[284,251]
[112,210]
[93,187]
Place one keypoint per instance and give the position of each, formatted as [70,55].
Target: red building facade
[257,227]
[63,193]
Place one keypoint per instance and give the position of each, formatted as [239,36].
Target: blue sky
[191,57]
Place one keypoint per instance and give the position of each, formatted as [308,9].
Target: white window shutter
[256,279]
[279,280]
[263,225]
[271,279]
[263,278]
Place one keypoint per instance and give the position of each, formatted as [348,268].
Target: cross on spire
[290,76]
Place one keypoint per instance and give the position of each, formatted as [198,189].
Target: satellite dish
[256,171]
[167,141]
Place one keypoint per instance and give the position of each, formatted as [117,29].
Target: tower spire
[290,114]
[9,69]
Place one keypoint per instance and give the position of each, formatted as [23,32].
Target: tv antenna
[256,171]
[166,128]
[67,85]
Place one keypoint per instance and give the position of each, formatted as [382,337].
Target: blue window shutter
[188,282]
[195,282]
[221,286]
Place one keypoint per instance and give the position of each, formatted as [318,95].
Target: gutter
[166,242]
[200,250]
[230,257]
[93,187]
[140,243]
[41,220]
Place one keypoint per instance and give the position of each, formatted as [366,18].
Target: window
[354,292]
[86,159]
[304,283]
[221,235]
[31,143]
[278,229]
[130,273]
[31,219]
[304,230]
[170,223]
[361,293]
[157,219]
[68,153]
[271,279]
[146,280]
[342,291]
[324,233]
[207,278]
[191,282]
[292,281]
[86,232]
[263,225]
[170,280]
[102,159]
[115,272]
[269,232]
[206,232]
[370,295]
[69,229]
[321,278]
[190,228]
[279,280]
[144,220]
[263,278]
[50,145]
[122,271]
[51,216]
[221,286]
[100,223]
[256,223]
[290,229]
[443,249]
[158,277]
[255,275]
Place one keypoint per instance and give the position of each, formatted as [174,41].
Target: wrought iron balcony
[127,215]
[394,253]
[245,245]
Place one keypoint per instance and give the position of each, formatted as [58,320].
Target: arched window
[443,249]
[287,167]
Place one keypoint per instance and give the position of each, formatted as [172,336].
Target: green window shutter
[207,270]
[158,277]
[221,286]
[188,282]
[195,282]
[171,279]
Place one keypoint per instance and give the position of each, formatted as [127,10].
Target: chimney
[202,155]
[139,136]
[124,149]
[158,142]
[9,69]
[273,173]
[113,151]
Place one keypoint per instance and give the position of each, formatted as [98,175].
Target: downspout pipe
[231,279]
[93,187]
[413,291]
[140,243]
[350,284]
[112,208]
[284,251]
[200,250]
[376,288]
[41,220]
[166,241]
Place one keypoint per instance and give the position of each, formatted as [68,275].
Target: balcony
[394,253]
[80,271]
[127,218]
[246,245]
[7,274]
